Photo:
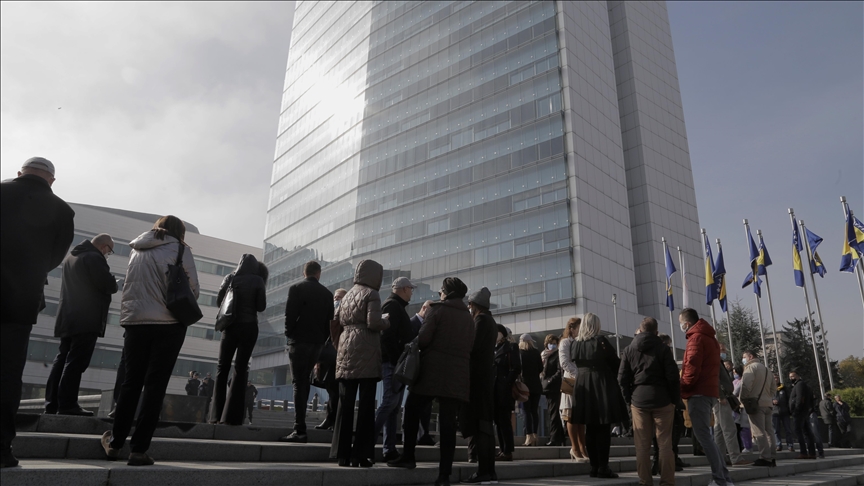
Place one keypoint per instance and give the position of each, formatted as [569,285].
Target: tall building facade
[535,148]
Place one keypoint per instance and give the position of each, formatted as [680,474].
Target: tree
[745,331]
[798,356]
[852,372]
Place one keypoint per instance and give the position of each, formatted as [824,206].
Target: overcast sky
[173,107]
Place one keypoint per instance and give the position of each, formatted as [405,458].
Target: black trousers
[302,358]
[532,414]
[598,440]
[64,381]
[425,418]
[556,427]
[248,410]
[121,376]
[806,440]
[448,408]
[239,338]
[364,436]
[151,352]
[14,339]
[505,429]
[332,402]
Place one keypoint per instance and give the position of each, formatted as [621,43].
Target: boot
[527,440]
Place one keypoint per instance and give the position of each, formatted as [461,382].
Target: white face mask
[551,346]
[744,361]
[683,326]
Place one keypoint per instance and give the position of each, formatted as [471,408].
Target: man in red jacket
[700,384]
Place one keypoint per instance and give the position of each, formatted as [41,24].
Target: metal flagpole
[809,318]
[818,307]
[726,312]
[758,303]
[615,313]
[685,299]
[671,322]
[771,311]
[705,255]
[859,269]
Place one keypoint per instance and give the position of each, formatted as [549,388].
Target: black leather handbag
[225,316]
[408,366]
[180,300]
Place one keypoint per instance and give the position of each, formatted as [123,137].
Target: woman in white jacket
[153,336]
[578,451]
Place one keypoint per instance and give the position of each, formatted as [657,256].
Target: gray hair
[590,327]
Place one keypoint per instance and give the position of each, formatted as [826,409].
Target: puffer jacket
[146,286]
[701,371]
[359,352]
[250,294]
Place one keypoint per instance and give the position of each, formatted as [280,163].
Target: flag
[685,299]
[764,259]
[670,270]
[753,276]
[710,284]
[852,243]
[814,240]
[720,279]
[797,268]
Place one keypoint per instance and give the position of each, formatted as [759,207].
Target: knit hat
[480,297]
[454,288]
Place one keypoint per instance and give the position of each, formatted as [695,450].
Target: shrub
[854,397]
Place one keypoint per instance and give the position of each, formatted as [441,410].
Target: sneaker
[762,463]
[140,459]
[110,452]
[295,438]
[746,451]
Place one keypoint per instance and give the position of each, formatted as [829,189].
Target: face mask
[552,346]
[744,361]
[737,376]
[683,327]
[723,356]
[336,304]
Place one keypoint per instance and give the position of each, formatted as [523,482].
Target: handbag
[180,300]
[408,366]
[519,390]
[225,316]
[568,385]
[751,405]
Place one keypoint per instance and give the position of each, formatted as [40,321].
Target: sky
[172,108]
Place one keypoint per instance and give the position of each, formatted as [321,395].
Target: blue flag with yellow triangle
[720,279]
[797,246]
[816,265]
[711,290]
[853,243]
[670,269]
[753,276]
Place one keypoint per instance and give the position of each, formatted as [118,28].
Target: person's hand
[722,400]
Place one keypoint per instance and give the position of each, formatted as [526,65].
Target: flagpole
[615,313]
[685,299]
[809,318]
[671,322]
[859,269]
[758,303]
[818,307]
[726,312]
[771,311]
[705,255]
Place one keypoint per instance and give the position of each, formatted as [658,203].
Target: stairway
[60,450]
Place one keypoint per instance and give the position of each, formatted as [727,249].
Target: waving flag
[816,265]
[711,289]
[670,270]
[852,238]
[753,276]
[720,278]
[797,246]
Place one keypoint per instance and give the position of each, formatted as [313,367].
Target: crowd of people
[349,340]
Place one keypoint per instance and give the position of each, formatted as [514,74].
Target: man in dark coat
[85,294]
[251,395]
[780,417]
[192,384]
[826,410]
[36,229]
[308,312]
[800,405]
[426,412]
[393,341]
[649,382]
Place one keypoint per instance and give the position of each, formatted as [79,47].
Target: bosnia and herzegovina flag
[797,246]
[755,267]
[710,283]
[720,279]
[670,269]
[816,265]
[853,243]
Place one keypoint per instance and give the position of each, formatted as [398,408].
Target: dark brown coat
[446,340]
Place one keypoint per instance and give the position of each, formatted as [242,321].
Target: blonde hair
[526,345]
[590,327]
[573,323]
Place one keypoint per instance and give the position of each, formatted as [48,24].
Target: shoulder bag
[180,300]
[225,316]
[408,366]
[519,391]
[751,405]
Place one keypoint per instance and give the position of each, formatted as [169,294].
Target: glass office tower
[457,138]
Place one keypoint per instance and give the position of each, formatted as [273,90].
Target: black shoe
[7,459]
[472,459]
[606,473]
[773,462]
[475,479]
[140,459]
[49,411]
[114,411]
[323,425]
[361,463]
[680,463]
[762,462]
[678,468]
[76,411]
[391,456]
[442,481]
[344,462]
[403,462]
[295,438]
[426,440]
[593,473]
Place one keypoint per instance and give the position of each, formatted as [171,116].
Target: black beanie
[454,288]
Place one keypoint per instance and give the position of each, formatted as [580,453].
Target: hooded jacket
[85,292]
[359,352]
[146,285]
[250,296]
[446,340]
[700,374]
[648,375]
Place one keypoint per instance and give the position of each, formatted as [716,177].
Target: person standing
[327,368]
[446,340]
[85,294]
[358,366]
[576,432]
[251,395]
[308,312]
[477,415]
[700,383]
[192,384]
[551,381]
[247,283]
[205,389]
[725,429]
[780,416]
[649,381]
[36,229]
[756,383]
[393,341]
[153,336]
[597,400]
[532,366]
[844,420]
[826,410]
[800,405]
[508,367]
[424,438]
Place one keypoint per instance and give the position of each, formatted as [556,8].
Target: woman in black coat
[508,367]
[532,366]
[597,399]
[250,298]
[551,381]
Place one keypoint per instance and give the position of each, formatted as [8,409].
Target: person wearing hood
[247,283]
[153,336]
[756,383]
[700,386]
[446,340]
[358,366]
[85,294]
[649,381]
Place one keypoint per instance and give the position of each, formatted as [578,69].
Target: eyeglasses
[110,252]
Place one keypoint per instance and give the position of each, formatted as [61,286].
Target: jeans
[72,360]
[151,352]
[14,339]
[239,338]
[725,432]
[806,439]
[302,358]
[388,411]
[783,423]
[532,415]
[556,427]
[762,428]
[699,408]
[448,408]
[646,423]
[364,440]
